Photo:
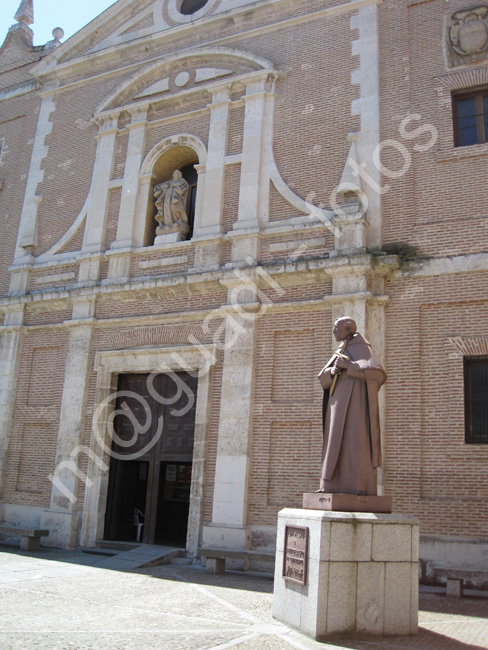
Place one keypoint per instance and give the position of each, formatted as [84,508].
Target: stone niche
[467,36]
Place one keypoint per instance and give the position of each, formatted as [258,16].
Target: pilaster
[119,266]
[367,76]
[229,514]
[210,220]
[211,182]
[10,344]
[253,206]
[61,517]
[97,212]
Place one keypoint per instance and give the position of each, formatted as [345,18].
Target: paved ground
[60,600]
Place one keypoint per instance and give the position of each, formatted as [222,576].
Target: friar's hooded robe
[352,445]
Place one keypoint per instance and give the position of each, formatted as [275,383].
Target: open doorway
[152,453]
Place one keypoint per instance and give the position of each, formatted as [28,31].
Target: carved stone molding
[467,36]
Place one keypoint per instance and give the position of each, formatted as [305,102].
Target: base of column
[222,536]
[63,528]
[360,572]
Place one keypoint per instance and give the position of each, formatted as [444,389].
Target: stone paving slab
[60,600]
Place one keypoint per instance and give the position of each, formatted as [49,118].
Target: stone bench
[457,579]
[215,558]
[30,538]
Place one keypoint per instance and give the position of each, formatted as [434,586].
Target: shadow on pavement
[424,640]
[467,606]
[197,575]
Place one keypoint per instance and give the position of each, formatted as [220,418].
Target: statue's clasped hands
[340,364]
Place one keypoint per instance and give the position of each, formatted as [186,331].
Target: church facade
[192,191]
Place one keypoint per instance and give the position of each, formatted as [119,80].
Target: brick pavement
[61,600]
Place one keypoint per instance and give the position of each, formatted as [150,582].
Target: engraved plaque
[295,557]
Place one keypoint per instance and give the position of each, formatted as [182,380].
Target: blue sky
[71,15]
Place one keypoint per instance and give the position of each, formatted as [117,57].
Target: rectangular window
[476,400]
[470,112]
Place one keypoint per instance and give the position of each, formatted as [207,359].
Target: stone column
[255,101]
[350,288]
[229,514]
[144,222]
[10,343]
[119,264]
[250,197]
[62,518]
[367,76]
[97,212]
[208,220]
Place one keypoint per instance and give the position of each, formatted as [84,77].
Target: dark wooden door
[154,426]
[127,492]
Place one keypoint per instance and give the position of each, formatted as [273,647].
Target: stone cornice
[258,309]
[476,262]
[383,266]
[52,74]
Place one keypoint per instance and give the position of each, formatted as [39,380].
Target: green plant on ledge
[406,252]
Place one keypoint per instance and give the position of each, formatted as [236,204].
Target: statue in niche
[171,205]
[351,380]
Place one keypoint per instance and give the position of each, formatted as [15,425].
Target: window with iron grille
[476,400]
[470,114]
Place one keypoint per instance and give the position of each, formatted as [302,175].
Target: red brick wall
[32,448]
[287,432]
[429,470]
[18,122]
[437,205]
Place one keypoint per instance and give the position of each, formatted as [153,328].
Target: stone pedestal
[361,574]
[168,238]
[346,502]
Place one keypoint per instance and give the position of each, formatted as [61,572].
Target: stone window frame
[109,365]
[478,94]
[192,10]
[446,86]
[469,438]
[457,349]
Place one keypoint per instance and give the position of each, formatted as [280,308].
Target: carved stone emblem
[468,36]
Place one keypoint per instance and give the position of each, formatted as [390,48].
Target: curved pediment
[191,71]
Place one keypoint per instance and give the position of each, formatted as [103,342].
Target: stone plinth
[169,238]
[346,502]
[361,577]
